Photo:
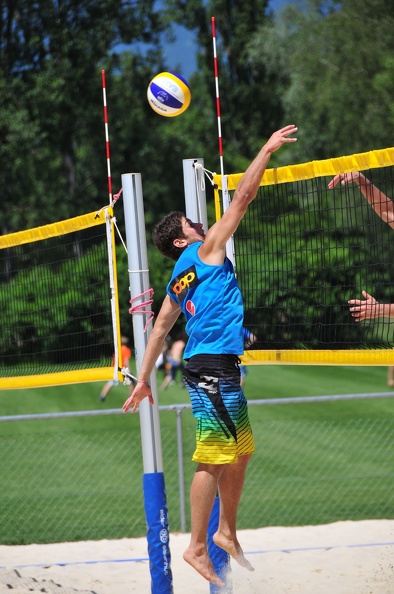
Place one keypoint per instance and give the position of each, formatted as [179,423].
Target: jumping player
[203,286]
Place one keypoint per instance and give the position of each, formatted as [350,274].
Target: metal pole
[195,197]
[153,479]
[181,473]
[139,284]
[230,249]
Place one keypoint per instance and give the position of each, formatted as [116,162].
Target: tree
[250,110]
[51,117]
[51,123]
[332,63]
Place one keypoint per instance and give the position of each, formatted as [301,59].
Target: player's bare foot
[233,548]
[203,565]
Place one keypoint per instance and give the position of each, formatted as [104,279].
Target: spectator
[390,376]
[249,339]
[124,361]
[175,360]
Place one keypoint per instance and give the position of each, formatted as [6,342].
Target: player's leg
[223,438]
[202,495]
[230,490]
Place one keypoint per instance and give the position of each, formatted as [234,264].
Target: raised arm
[382,205]
[213,249]
[166,318]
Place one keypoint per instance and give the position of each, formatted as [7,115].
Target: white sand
[340,558]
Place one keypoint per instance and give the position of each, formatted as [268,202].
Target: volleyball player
[203,286]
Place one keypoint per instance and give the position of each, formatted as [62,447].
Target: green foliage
[250,107]
[320,64]
[51,125]
[56,314]
[331,62]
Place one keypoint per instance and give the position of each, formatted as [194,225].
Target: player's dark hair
[164,233]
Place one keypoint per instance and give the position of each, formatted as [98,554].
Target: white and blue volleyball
[169,94]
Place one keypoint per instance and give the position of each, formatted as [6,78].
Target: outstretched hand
[280,137]
[140,392]
[365,309]
[344,178]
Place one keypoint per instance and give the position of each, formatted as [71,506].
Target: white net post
[153,479]
[139,283]
[230,249]
[195,197]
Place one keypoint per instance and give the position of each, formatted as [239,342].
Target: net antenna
[230,252]
[116,331]
[216,75]
[107,146]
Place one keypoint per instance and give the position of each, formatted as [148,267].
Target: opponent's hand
[140,392]
[344,178]
[280,137]
[365,309]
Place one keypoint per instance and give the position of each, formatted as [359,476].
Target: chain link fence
[62,481]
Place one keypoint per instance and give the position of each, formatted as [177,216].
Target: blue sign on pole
[158,535]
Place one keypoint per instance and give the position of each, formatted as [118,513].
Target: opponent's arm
[368,308]
[382,205]
[213,249]
[166,318]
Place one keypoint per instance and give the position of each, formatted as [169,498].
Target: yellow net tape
[324,357]
[327,167]
[54,229]
[57,379]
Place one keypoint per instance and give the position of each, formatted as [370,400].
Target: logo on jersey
[190,307]
[183,282]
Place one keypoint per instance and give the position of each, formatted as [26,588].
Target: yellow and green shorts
[218,403]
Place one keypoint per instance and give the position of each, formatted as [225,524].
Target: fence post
[181,472]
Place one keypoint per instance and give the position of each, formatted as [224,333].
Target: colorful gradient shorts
[218,403]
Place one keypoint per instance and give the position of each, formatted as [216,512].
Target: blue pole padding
[220,558]
[158,535]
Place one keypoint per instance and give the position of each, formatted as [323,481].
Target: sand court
[340,558]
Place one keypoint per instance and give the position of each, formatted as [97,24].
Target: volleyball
[169,94]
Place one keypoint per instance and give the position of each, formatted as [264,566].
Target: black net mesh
[302,251]
[55,299]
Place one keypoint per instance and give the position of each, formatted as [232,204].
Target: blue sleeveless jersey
[211,301]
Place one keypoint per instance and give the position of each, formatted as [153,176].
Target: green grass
[80,478]
[265,381]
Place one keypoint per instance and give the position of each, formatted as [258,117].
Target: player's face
[192,231]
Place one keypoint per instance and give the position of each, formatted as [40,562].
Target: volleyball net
[300,253]
[60,314]
[303,250]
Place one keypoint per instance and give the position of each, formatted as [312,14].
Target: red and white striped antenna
[216,74]
[225,193]
[107,150]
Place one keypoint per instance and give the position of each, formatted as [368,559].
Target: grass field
[80,478]
[265,381]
